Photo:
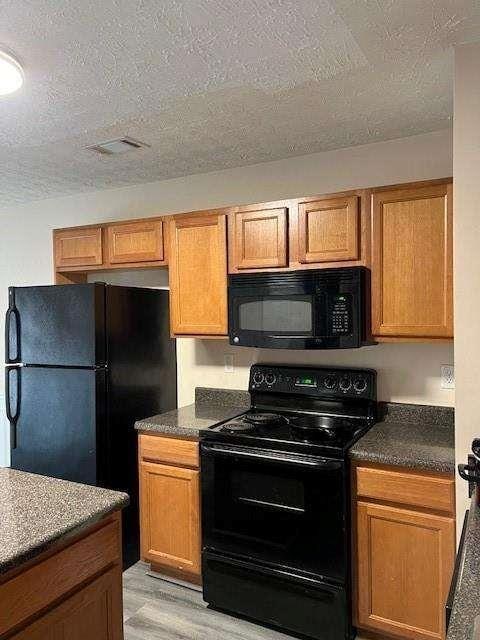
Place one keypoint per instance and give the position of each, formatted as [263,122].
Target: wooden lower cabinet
[93,612]
[405,557]
[170,507]
[73,591]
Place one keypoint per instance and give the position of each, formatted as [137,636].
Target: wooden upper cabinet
[80,247]
[405,563]
[198,274]
[139,241]
[329,230]
[412,262]
[258,239]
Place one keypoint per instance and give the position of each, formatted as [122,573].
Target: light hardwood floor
[158,610]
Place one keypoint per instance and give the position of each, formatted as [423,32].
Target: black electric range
[276,499]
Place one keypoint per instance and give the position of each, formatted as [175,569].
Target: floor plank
[158,610]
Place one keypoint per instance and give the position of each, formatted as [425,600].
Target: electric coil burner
[276,496]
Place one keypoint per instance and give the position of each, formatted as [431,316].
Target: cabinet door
[260,239]
[140,241]
[93,612]
[405,562]
[170,516]
[412,262]
[78,247]
[329,230]
[198,275]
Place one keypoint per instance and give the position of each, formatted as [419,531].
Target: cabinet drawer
[407,487]
[169,450]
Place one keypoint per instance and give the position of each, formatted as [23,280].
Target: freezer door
[58,325]
[59,425]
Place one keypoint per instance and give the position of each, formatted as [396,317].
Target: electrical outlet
[447,374]
[228,361]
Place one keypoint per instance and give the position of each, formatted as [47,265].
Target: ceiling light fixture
[11,74]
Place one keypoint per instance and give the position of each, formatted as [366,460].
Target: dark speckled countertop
[36,512]
[465,618]
[211,407]
[415,436]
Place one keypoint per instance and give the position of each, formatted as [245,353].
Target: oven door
[282,509]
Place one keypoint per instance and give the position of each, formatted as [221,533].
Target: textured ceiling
[211,84]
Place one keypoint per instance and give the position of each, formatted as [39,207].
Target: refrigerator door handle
[12,416]
[12,315]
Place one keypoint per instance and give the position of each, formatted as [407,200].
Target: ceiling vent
[120,145]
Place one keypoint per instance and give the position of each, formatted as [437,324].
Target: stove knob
[270,378]
[360,385]
[258,377]
[345,383]
[330,382]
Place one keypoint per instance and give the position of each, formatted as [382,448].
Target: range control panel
[315,382]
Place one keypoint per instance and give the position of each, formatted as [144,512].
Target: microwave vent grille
[344,275]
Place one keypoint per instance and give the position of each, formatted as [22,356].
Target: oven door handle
[309,462]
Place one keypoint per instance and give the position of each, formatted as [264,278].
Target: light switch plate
[447,376]
[228,360]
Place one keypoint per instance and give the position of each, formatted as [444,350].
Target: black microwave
[311,309]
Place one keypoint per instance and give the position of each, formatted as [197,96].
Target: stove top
[316,411]
[285,430]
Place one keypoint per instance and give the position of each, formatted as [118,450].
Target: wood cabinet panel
[198,274]
[140,241]
[172,451]
[170,517]
[407,487]
[412,262]
[259,239]
[329,230]
[405,563]
[78,247]
[94,612]
[41,585]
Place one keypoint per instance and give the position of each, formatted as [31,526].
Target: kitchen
[201,230]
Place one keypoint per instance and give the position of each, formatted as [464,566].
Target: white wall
[409,373]
[466,163]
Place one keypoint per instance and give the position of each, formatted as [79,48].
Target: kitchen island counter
[37,512]
[60,558]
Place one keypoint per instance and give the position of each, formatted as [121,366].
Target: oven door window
[275,512]
[291,315]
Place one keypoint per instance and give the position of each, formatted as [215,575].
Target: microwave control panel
[340,315]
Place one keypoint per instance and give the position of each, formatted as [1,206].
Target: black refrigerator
[83,363]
